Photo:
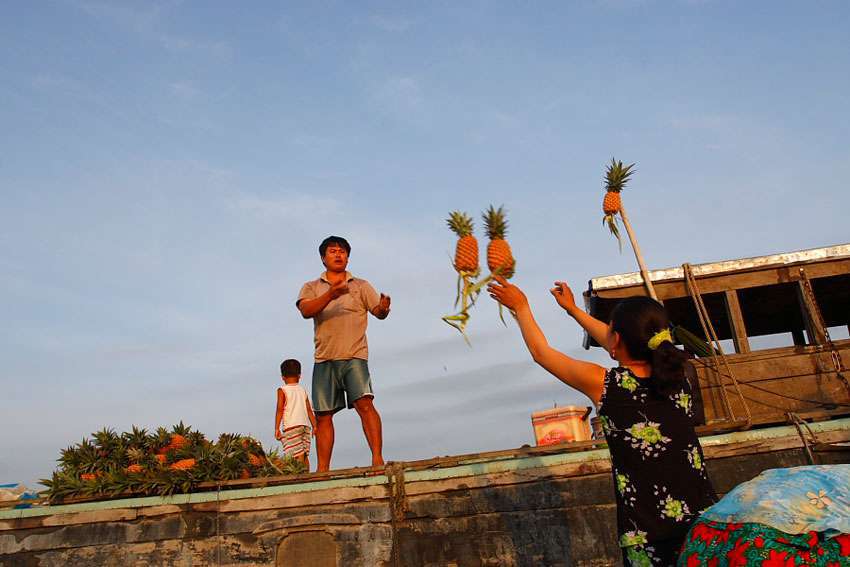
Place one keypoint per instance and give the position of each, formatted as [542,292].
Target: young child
[294,416]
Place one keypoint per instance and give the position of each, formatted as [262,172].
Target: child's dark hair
[338,240]
[638,319]
[290,367]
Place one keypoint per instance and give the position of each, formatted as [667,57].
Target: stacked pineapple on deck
[161,463]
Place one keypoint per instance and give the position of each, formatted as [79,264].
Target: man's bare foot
[377,461]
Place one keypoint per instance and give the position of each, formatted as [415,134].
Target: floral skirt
[716,544]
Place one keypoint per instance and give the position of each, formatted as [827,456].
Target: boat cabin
[769,334]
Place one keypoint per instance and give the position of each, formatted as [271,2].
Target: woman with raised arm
[644,405]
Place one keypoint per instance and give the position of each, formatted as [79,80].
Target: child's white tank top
[295,412]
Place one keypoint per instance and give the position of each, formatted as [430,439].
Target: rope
[798,421]
[708,330]
[398,504]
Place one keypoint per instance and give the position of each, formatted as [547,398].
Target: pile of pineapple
[163,462]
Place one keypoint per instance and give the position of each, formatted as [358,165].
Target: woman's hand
[507,294]
[564,296]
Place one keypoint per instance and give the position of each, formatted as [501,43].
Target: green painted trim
[774,432]
[506,465]
[473,466]
[193,498]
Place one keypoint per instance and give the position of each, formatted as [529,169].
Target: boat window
[682,312]
[778,340]
[839,333]
[773,316]
[833,297]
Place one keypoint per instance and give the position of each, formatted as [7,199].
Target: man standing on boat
[339,305]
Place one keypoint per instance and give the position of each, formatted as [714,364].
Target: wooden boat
[550,505]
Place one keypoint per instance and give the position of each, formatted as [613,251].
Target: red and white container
[563,424]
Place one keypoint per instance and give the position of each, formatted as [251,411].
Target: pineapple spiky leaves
[500,258]
[616,177]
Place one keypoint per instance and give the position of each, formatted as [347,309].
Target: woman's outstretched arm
[594,327]
[585,377]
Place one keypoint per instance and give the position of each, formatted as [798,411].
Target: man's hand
[383,308]
[338,289]
[278,435]
[564,296]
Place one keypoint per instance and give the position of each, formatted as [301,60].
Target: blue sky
[167,170]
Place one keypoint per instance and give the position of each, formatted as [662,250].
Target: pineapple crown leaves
[85,470]
[460,223]
[181,429]
[70,458]
[196,438]
[495,223]
[136,437]
[106,438]
[617,175]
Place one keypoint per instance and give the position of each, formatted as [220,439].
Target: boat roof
[836,252]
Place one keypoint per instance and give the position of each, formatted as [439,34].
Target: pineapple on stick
[616,176]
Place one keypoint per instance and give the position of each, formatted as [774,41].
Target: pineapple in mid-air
[466,251]
[466,265]
[500,259]
[616,176]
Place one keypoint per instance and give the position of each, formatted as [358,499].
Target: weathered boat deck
[529,506]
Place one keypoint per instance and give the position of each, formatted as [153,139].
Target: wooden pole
[643,271]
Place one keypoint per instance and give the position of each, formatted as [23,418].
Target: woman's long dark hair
[637,319]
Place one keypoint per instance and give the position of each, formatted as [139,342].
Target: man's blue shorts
[336,382]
